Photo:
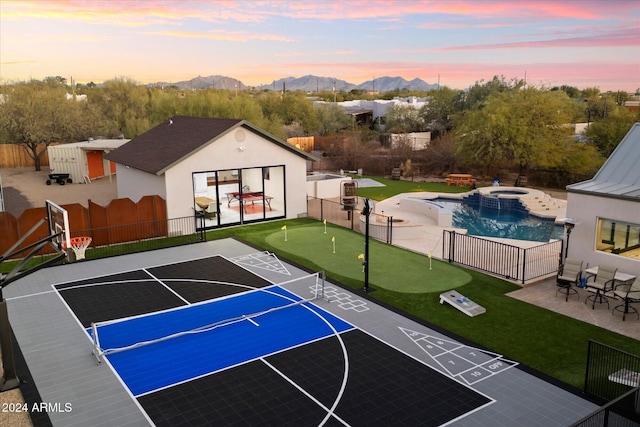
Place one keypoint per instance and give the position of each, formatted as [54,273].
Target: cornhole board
[462,303]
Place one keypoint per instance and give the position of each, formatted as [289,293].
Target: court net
[316,286]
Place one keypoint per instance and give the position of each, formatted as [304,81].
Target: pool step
[544,203]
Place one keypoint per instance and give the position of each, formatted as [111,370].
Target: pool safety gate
[501,259]
[612,378]
[610,372]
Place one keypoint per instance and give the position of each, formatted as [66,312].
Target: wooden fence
[119,212]
[305,143]
[16,156]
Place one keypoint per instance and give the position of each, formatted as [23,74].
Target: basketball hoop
[79,245]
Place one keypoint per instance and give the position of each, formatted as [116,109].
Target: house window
[238,196]
[618,237]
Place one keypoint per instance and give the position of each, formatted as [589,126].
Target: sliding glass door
[237,196]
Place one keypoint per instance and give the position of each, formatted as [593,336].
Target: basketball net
[79,246]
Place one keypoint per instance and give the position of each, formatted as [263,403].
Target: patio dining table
[203,202]
[620,277]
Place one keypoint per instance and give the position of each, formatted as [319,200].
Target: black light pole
[568,225]
[366,211]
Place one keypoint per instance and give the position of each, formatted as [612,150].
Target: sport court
[221,333]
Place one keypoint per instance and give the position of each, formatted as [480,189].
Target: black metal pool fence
[501,259]
[493,257]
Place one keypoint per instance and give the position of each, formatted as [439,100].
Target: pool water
[500,223]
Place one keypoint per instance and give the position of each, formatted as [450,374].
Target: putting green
[391,268]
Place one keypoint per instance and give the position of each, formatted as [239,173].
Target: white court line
[303,391]
[31,295]
[252,321]
[165,285]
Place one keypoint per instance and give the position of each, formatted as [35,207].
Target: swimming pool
[508,220]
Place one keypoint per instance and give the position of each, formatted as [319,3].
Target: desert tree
[512,128]
[36,114]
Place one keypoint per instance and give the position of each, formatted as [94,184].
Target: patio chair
[603,283]
[569,276]
[630,293]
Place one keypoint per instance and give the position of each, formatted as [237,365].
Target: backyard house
[227,170]
[606,210]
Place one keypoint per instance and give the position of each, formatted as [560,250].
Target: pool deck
[428,238]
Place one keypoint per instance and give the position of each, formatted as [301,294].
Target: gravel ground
[26,188]
[14,419]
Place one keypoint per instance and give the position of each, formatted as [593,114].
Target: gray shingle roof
[177,138]
[619,176]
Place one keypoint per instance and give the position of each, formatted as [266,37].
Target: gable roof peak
[177,138]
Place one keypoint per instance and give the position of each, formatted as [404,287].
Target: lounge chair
[569,276]
[629,294]
[603,283]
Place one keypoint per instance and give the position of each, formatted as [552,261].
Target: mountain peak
[308,83]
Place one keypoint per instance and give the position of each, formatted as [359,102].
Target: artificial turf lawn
[393,187]
[541,339]
[312,243]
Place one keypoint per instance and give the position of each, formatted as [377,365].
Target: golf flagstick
[284,228]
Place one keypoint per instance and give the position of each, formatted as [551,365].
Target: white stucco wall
[586,209]
[325,186]
[135,184]
[225,153]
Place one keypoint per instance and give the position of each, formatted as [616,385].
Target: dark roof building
[179,137]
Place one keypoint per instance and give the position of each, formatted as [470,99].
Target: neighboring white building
[418,140]
[378,107]
[84,160]
[606,209]
[229,169]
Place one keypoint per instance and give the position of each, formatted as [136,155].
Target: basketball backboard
[58,220]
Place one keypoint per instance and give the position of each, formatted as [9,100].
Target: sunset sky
[582,43]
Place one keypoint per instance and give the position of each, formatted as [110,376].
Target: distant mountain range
[305,83]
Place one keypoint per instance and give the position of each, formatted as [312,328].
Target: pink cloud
[223,35]
[135,13]
[622,37]
[143,12]
[437,25]
[590,10]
